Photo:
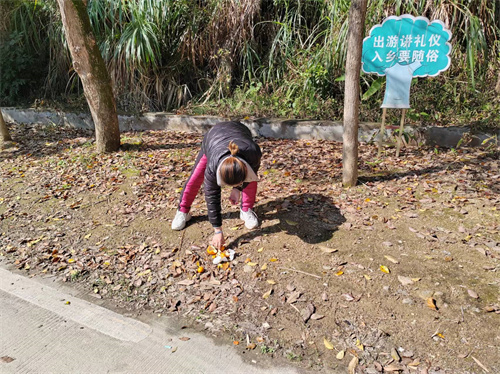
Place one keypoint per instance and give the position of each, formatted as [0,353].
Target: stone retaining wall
[267,127]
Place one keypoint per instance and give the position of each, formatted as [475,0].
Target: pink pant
[195,181]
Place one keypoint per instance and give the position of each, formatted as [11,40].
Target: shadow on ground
[311,217]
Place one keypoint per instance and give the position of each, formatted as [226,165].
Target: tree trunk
[89,64]
[4,131]
[357,15]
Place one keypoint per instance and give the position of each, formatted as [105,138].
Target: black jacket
[215,147]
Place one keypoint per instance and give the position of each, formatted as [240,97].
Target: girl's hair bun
[233,148]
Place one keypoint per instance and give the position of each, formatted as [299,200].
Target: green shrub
[16,70]
[276,57]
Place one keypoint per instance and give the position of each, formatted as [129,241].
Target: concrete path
[44,329]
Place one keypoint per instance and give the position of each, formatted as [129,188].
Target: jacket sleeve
[212,197]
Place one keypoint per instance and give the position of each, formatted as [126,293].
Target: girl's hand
[234,198]
[218,239]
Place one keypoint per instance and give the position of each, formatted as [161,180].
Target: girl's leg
[248,196]
[193,183]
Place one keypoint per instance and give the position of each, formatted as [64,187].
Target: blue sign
[402,48]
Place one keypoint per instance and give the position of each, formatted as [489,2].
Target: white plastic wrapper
[218,259]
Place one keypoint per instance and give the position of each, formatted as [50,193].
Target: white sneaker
[250,219]
[180,219]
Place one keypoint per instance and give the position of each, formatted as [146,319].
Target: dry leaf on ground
[327,249]
[384,269]
[351,369]
[391,259]
[267,294]
[327,343]
[431,303]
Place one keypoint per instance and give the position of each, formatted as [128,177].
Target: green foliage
[275,57]
[15,71]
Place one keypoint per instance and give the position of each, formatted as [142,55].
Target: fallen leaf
[186,282]
[273,259]
[260,249]
[391,259]
[327,343]
[348,297]
[264,267]
[392,368]
[327,249]
[251,263]
[491,308]
[340,355]
[293,297]
[270,281]
[291,223]
[236,342]
[184,338]
[307,312]
[6,359]
[267,294]
[395,355]
[431,303]
[378,366]
[367,277]
[315,316]
[351,369]
[384,269]
[415,362]
[339,273]
[405,281]
[251,346]
[174,349]
[360,346]
[473,294]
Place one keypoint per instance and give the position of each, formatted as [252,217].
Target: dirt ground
[399,274]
